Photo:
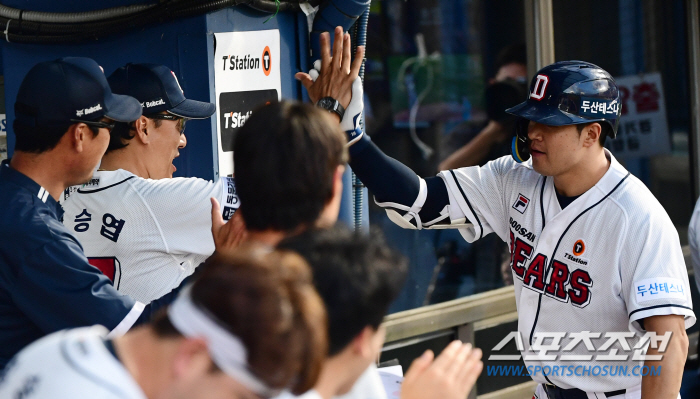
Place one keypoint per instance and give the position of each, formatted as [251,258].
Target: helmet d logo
[540,87]
[579,248]
[267,61]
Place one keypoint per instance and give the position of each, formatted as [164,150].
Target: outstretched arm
[396,186]
[411,202]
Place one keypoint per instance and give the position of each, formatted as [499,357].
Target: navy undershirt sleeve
[391,181]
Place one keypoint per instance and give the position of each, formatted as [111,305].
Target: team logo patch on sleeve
[521,203]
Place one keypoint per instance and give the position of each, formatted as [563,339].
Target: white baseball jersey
[68,364]
[608,260]
[146,235]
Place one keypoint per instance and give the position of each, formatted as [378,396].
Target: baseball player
[63,114]
[142,228]
[592,250]
[223,337]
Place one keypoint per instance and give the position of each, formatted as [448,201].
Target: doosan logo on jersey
[522,231]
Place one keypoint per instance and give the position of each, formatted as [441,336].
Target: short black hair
[119,136]
[512,54]
[38,139]
[285,159]
[605,130]
[357,276]
[123,132]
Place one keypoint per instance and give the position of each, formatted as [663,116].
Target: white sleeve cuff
[128,321]
[660,310]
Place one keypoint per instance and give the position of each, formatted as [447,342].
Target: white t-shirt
[68,364]
[368,386]
[146,235]
[609,259]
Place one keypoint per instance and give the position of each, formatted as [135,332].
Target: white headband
[226,350]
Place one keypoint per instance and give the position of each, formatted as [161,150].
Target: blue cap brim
[123,108]
[545,114]
[192,109]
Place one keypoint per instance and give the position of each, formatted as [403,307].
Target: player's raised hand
[227,236]
[451,376]
[338,71]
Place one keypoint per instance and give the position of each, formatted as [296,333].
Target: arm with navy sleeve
[57,288]
[410,201]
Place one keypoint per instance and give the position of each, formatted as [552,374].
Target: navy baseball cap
[72,88]
[157,89]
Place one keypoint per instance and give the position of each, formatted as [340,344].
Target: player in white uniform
[592,250]
[215,341]
[142,228]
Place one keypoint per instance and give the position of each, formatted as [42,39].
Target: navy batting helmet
[567,93]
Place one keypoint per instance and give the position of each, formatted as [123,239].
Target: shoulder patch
[659,288]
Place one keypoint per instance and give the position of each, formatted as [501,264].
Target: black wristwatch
[330,104]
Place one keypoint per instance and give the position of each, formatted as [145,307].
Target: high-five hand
[338,72]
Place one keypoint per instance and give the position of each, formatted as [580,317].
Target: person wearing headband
[249,326]
[358,277]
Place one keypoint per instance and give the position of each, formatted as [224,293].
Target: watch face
[325,103]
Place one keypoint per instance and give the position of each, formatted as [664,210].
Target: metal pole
[694,80]
[539,35]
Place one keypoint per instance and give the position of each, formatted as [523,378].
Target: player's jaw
[554,149]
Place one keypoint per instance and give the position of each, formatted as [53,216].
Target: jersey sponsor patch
[521,203]
[659,288]
[579,248]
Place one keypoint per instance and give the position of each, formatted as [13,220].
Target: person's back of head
[268,303]
[286,158]
[357,276]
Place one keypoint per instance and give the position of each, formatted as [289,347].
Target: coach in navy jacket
[64,113]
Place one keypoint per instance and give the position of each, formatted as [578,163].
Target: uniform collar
[612,177]
[20,179]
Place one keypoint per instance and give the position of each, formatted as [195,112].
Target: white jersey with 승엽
[146,235]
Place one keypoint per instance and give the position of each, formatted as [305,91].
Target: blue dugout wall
[186,46]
